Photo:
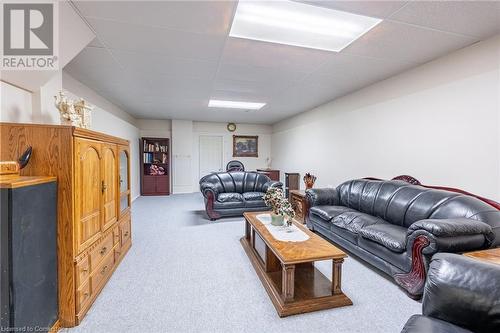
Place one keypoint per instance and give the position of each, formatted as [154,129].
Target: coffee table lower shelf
[311,290]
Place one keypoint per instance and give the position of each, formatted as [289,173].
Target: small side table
[299,204]
[488,255]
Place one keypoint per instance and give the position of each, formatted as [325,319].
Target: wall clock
[231,127]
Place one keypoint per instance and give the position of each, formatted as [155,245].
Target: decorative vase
[309,180]
[277,220]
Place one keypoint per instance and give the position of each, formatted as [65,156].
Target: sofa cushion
[391,236]
[329,212]
[256,203]
[423,324]
[252,196]
[354,221]
[230,197]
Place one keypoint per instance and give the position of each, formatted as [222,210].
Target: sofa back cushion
[236,181]
[402,204]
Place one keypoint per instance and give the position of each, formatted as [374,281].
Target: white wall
[439,122]
[110,119]
[15,104]
[155,128]
[181,156]
[219,129]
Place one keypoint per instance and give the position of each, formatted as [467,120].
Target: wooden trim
[23,181]
[413,281]
[93,135]
[256,137]
[56,327]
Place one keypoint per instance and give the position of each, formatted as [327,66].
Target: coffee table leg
[287,282]
[337,276]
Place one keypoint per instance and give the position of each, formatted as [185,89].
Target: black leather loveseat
[236,192]
[461,295]
[397,226]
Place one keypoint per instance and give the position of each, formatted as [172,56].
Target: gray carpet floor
[185,273]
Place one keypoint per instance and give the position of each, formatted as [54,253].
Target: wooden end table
[299,204]
[488,255]
[287,270]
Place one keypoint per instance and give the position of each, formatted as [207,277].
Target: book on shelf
[155,147]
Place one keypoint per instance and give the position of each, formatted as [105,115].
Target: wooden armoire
[94,224]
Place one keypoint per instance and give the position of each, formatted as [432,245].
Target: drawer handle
[104,269]
[103,186]
[85,270]
[126,233]
[85,294]
[103,250]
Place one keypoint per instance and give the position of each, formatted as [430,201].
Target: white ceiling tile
[392,40]
[257,74]
[380,9]
[471,18]
[175,43]
[249,88]
[154,64]
[180,87]
[207,17]
[354,72]
[271,55]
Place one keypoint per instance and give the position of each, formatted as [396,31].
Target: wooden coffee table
[287,270]
[488,255]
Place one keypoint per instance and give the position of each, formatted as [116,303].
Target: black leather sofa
[397,226]
[236,192]
[461,295]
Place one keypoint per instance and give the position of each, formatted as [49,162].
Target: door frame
[221,136]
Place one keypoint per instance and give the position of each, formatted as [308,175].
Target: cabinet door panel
[124,179]
[87,192]
[149,185]
[161,185]
[110,185]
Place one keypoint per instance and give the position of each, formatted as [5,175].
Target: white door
[210,154]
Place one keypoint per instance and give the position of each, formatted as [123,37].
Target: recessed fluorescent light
[298,24]
[215,103]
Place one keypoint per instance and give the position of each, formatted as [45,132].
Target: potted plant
[280,206]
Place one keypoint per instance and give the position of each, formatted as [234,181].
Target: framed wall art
[245,146]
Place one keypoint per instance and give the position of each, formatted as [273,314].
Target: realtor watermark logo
[30,35]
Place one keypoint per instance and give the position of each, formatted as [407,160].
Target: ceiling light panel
[298,24]
[215,103]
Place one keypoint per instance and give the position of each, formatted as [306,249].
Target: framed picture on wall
[245,146]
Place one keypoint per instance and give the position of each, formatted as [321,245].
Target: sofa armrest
[207,188]
[453,227]
[460,290]
[451,235]
[270,184]
[322,196]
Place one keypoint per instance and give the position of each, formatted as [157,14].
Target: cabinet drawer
[125,229]
[116,235]
[100,274]
[82,271]
[100,251]
[82,296]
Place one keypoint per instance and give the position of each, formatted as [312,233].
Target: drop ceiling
[166,59]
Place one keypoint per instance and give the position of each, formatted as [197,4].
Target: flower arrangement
[279,204]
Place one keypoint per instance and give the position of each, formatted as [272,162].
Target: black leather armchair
[461,295]
[398,227]
[233,193]
[235,165]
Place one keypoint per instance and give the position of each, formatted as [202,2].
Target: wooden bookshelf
[155,164]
